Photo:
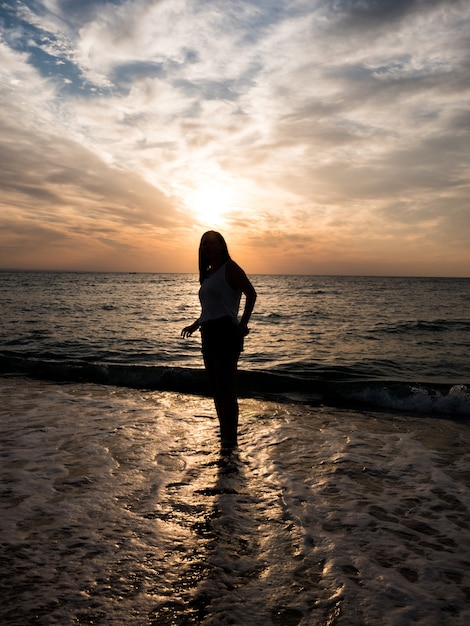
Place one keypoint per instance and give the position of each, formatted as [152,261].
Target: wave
[431,326]
[340,388]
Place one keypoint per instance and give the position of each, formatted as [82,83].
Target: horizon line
[78,271]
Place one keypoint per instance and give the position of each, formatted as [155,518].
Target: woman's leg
[227,396]
[222,374]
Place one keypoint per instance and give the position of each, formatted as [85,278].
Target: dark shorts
[221,336]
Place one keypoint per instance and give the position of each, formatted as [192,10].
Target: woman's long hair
[203,262]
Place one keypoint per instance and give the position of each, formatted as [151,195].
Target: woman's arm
[189,330]
[237,279]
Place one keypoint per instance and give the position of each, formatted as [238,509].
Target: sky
[318,136]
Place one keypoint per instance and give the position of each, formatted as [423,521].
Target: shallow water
[117,508]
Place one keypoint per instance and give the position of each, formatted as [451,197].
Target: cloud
[343,123]
[376,16]
[58,194]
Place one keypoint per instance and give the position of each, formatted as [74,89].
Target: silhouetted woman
[222,284]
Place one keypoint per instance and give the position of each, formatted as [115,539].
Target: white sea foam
[419,399]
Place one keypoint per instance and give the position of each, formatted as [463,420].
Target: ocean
[347,502]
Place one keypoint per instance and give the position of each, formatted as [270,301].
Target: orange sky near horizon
[317,137]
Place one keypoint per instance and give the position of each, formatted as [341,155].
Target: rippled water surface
[380,326]
[118,509]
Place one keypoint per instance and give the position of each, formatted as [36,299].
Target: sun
[210,203]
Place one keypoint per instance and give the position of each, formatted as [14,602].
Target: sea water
[390,342]
[347,502]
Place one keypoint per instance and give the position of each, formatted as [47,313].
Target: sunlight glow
[210,203]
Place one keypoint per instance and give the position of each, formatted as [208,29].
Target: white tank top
[218,299]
